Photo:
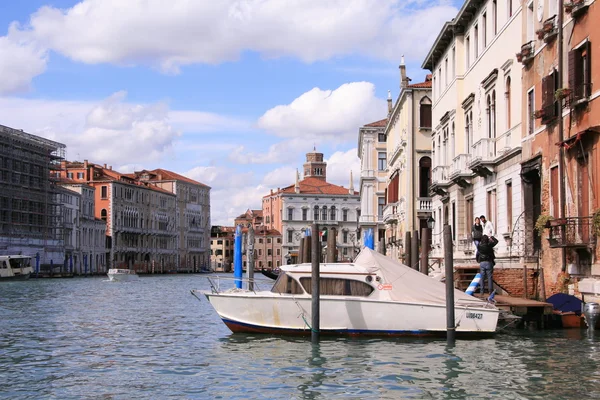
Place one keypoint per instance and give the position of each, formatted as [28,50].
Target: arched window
[316,214]
[332,213]
[103,214]
[324,213]
[508,106]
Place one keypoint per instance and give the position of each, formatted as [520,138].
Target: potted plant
[542,223]
[562,93]
[548,26]
[540,33]
[525,51]
[596,223]
[519,57]
[539,113]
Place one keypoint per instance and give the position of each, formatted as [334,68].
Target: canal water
[87,338]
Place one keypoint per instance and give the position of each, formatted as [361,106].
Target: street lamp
[430,222]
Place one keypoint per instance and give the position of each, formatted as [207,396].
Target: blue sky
[231,93]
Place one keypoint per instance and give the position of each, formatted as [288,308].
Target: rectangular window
[290,235]
[344,215]
[70,175]
[495,16]
[509,209]
[554,195]
[468,51]
[381,137]
[530,111]
[345,236]
[380,206]
[425,116]
[278,252]
[304,214]
[290,214]
[80,175]
[549,103]
[470,218]
[454,62]
[475,42]
[491,207]
[580,78]
[269,252]
[484,30]
[104,192]
[381,161]
[446,72]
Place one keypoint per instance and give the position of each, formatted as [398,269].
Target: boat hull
[17,277]
[122,277]
[265,312]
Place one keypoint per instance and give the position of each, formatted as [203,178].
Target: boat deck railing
[253,285]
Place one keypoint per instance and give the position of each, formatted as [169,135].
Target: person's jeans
[486,269]
[476,243]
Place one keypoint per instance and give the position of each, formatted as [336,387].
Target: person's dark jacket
[477,232]
[485,251]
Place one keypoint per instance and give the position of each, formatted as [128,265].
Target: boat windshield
[286,284]
[19,262]
[339,287]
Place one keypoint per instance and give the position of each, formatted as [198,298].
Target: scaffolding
[30,203]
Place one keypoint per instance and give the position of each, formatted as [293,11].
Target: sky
[231,93]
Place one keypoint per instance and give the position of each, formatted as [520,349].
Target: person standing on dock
[488,227]
[476,233]
[485,256]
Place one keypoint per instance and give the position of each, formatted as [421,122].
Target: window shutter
[587,79]
[572,71]
[425,117]
[545,102]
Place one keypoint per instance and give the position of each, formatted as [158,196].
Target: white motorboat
[374,295]
[121,275]
[15,267]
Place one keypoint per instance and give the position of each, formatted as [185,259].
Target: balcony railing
[439,174]
[460,165]
[527,53]
[576,7]
[484,150]
[423,204]
[572,232]
[390,213]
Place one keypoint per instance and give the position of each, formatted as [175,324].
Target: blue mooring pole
[37,264]
[237,257]
[369,239]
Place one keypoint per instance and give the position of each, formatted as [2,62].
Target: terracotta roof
[426,84]
[169,175]
[377,124]
[313,185]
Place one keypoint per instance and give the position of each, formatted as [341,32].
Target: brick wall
[511,279]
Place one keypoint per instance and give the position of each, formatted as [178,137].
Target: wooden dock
[532,312]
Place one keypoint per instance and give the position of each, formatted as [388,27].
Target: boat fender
[473,285]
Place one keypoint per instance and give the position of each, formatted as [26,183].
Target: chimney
[297,185]
[389,102]
[104,165]
[85,163]
[403,78]
[110,167]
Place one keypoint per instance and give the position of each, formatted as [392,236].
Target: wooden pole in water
[307,249]
[301,251]
[449,264]
[424,251]
[250,257]
[407,251]
[331,241]
[382,246]
[315,281]
[414,251]
[525,281]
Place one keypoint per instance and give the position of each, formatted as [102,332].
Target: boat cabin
[343,285]
[15,262]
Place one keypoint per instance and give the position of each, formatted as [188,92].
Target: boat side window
[3,265]
[286,284]
[339,287]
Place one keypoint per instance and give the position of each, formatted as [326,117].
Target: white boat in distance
[371,296]
[121,275]
[15,267]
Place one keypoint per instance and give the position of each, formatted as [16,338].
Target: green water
[88,338]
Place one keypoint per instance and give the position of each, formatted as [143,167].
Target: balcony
[484,154]
[423,205]
[549,30]
[440,179]
[576,8]
[572,232]
[390,213]
[460,173]
[527,53]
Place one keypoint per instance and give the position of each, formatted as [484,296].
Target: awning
[573,140]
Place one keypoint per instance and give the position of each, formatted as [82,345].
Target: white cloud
[339,166]
[172,34]
[20,62]
[326,115]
